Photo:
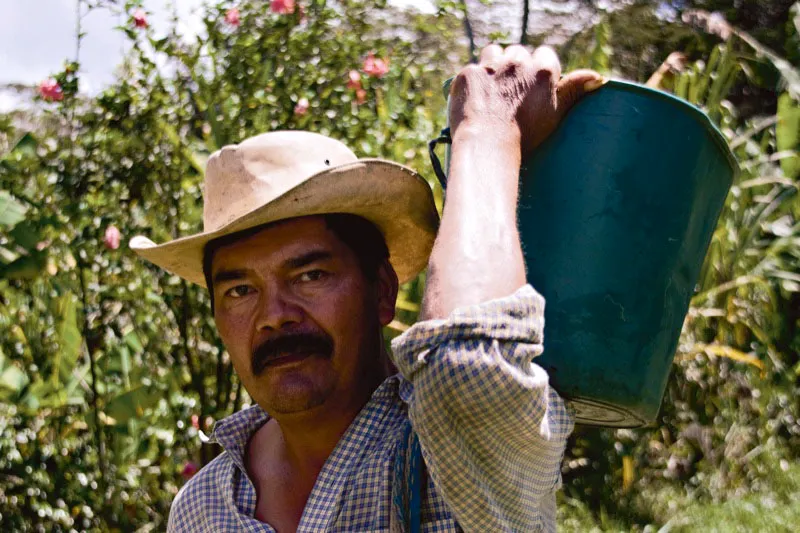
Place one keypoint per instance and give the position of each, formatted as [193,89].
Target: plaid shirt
[492,434]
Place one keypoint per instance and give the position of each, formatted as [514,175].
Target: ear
[387,287]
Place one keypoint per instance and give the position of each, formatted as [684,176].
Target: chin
[294,393]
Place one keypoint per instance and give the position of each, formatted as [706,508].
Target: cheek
[236,335]
[224,327]
[360,321]
[344,315]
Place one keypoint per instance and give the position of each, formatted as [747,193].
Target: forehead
[278,242]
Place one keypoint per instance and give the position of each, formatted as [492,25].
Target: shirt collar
[233,432]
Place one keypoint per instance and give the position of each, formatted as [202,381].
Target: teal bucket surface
[616,212]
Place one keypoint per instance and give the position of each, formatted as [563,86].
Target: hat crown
[243,177]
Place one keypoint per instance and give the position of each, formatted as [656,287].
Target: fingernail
[591,85]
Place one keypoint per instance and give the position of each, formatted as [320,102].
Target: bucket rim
[693,110]
[698,114]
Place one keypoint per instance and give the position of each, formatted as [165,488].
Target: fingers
[469,75]
[544,60]
[546,64]
[516,61]
[676,61]
[574,85]
[495,59]
[517,53]
[490,57]
[518,89]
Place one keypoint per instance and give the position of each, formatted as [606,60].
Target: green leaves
[20,259]
[131,404]
[706,85]
[25,267]
[12,379]
[62,386]
[24,148]
[600,58]
[787,134]
[11,210]
[69,336]
[133,156]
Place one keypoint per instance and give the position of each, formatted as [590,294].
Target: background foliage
[111,370]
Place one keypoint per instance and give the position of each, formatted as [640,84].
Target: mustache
[300,342]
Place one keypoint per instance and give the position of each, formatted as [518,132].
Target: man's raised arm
[491,429]
[500,109]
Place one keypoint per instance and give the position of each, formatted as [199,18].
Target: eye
[238,291]
[312,275]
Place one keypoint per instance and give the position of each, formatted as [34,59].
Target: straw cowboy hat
[287,174]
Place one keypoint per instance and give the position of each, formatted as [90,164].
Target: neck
[308,438]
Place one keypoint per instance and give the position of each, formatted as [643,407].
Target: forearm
[477,254]
[503,107]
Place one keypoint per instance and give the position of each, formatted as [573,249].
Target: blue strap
[407,484]
[415,484]
[444,137]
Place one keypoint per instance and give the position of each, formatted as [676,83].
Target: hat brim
[393,197]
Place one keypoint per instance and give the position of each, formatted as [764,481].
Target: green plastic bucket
[616,212]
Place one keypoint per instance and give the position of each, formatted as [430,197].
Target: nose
[278,310]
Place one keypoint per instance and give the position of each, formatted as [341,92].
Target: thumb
[574,85]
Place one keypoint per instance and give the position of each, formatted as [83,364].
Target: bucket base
[594,413]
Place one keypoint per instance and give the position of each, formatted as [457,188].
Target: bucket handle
[444,138]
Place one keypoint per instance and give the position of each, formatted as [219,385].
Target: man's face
[298,316]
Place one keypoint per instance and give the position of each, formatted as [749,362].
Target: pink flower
[282,7]
[354,80]
[140,18]
[51,91]
[112,237]
[375,66]
[232,17]
[189,470]
[301,107]
[361,96]
[195,422]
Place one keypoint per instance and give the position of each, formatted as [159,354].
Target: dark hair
[357,233]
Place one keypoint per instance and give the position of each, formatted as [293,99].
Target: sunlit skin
[298,276]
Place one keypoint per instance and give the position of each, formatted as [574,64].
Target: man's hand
[516,94]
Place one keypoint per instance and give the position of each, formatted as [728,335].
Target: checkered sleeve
[492,430]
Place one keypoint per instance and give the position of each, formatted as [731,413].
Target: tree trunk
[526,11]
[473,57]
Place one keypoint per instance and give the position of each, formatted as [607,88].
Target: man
[303,250]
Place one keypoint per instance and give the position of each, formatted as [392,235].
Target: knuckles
[469,76]
[546,74]
[470,72]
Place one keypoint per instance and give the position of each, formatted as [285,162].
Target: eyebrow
[307,258]
[293,263]
[229,275]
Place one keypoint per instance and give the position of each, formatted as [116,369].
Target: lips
[285,358]
[291,347]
